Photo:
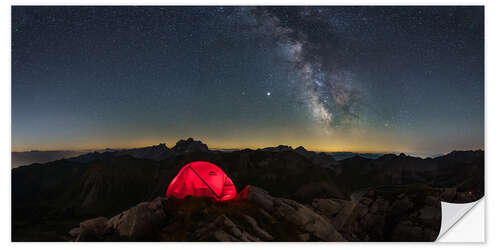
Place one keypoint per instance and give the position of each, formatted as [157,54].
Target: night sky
[366,79]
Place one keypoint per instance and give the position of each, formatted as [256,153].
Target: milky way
[316,53]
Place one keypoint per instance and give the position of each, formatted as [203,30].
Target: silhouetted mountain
[344,155]
[35,156]
[67,191]
[158,152]
[280,148]
[189,146]
[302,151]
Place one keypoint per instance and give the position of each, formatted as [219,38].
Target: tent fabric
[202,178]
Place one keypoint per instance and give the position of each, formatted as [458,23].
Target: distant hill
[30,157]
[344,155]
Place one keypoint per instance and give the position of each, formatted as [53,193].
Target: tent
[201,178]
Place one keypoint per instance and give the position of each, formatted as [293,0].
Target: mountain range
[156,152]
[389,198]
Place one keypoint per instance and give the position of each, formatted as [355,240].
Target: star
[328,79]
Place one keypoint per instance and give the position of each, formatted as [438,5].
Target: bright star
[268,93]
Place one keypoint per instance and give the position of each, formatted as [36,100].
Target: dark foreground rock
[396,213]
[410,213]
[254,216]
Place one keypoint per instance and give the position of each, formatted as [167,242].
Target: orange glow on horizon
[311,146]
[360,143]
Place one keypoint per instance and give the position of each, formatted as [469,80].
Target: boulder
[75,231]
[258,196]
[223,229]
[295,213]
[98,225]
[428,215]
[338,211]
[404,232]
[304,237]
[402,206]
[378,216]
[90,230]
[259,232]
[140,222]
[432,201]
[449,194]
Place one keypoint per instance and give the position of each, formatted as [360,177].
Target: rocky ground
[414,214]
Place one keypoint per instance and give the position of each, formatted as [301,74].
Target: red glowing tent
[201,178]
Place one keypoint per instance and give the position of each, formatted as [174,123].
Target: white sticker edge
[453,213]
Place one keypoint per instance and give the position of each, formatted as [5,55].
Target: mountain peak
[161,146]
[190,145]
[279,148]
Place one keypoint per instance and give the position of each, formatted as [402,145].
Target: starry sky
[330,78]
